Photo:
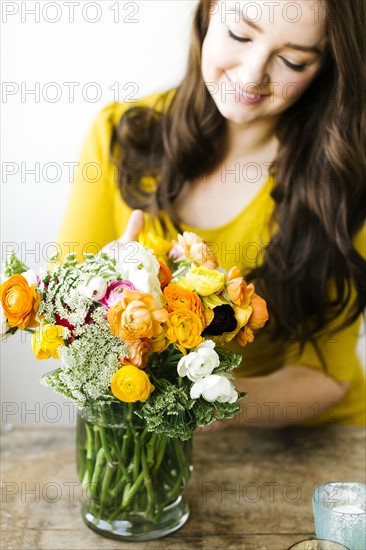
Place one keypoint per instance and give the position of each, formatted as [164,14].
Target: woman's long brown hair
[320,172]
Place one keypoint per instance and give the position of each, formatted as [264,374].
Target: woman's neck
[251,138]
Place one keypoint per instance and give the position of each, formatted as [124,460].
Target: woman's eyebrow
[306,49]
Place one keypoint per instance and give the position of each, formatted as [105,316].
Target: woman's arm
[287,396]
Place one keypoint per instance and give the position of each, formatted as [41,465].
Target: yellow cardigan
[97,215]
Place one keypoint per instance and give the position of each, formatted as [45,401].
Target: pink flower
[115,292]
[192,247]
[63,322]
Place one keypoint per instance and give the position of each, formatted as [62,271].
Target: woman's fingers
[134,226]
[215,426]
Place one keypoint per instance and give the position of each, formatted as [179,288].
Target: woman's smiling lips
[243,96]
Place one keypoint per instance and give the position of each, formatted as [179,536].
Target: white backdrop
[140,42]
[61,63]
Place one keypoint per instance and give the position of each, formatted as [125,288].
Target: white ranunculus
[199,363]
[148,283]
[140,280]
[156,292]
[134,257]
[95,289]
[30,276]
[214,388]
[138,265]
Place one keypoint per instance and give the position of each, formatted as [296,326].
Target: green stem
[160,454]
[175,489]
[183,466]
[127,436]
[128,496]
[90,455]
[105,487]
[99,463]
[150,447]
[89,441]
[103,438]
[135,487]
[136,456]
[96,438]
[121,458]
[148,485]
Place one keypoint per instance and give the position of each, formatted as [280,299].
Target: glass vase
[132,479]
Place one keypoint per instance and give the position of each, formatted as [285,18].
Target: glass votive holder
[340,513]
[317,544]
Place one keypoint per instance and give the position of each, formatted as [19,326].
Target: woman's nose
[253,74]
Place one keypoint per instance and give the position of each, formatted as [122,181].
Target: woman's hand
[288,396]
[134,226]
[216,426]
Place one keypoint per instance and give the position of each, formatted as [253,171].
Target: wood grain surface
[250,489]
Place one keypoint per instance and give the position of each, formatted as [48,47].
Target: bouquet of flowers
[141,338]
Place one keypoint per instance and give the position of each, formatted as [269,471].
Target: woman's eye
[298,68]
[238,38]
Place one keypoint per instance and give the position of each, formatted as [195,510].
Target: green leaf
[14,266]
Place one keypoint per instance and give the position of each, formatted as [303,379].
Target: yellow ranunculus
[213,300]
[205,281]
[183,283]
[160,343]
[130,384]
[160,246]
[184,329]
[208,315]
[46,342]
[242,314]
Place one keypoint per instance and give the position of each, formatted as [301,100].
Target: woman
[261,151]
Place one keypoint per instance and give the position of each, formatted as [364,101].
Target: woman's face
[259,56]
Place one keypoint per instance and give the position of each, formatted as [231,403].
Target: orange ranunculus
[138,353]
[184,329]
[178,297]
[244,336]
[130,384]
[233,273]
[160,343]
[20,302]
[165,275]
[195,249]
[259,314]
[239,292]
[135,317]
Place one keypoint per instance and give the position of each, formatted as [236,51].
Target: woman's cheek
[294,89]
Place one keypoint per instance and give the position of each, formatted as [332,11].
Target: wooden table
[250,490]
